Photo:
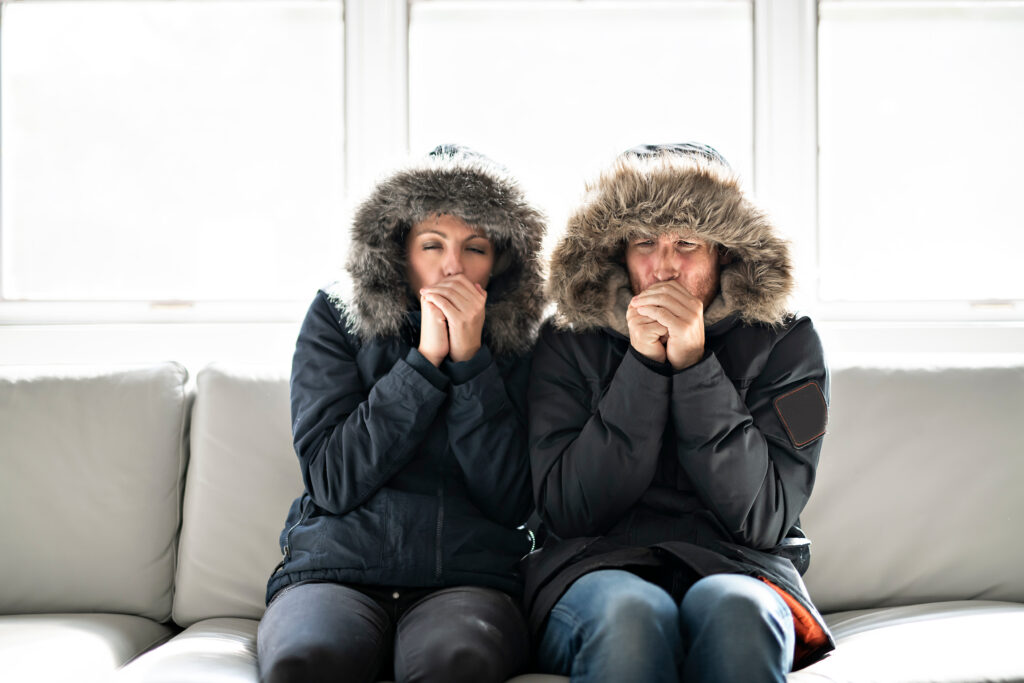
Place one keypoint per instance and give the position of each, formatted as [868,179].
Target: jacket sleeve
[745,467]
[487,434]
[591,460]
[350,443]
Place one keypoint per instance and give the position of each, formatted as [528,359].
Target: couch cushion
[220,651]
[242,476]
[92,464]
[215,650]
[918,496]
[954,642]
[72,647]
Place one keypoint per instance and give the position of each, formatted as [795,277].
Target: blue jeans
[612,625]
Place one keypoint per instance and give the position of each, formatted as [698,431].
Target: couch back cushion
[91,471]
[920,489]
[242,476]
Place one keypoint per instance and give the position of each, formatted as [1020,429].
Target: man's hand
[433,332]
[671,305]
[462,303]
[646,335]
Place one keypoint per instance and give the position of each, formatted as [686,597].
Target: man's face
[676,256]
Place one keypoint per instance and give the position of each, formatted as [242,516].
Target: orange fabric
[809,634]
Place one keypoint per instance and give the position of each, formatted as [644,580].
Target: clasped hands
[452,319]
[666,322]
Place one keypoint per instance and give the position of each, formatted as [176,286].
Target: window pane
[171,150]
[555,90]
[921,143]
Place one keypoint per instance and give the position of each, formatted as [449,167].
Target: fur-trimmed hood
[653,190]
[457,181]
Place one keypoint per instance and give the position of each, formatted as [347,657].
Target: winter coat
[703,470]
[416,475]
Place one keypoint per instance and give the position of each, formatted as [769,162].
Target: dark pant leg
[466,633]
[322,632]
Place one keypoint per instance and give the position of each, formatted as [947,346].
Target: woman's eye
[644,243]
[478,250]
[685,245]
[431,245]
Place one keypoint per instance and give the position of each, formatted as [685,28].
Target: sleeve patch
[804,413]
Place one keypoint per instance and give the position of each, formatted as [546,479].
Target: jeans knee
[632,610]
[735,597]
[736,628]
[634,620]
[718,607]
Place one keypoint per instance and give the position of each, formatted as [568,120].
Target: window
[171,150]
[920,110]
[209,151]
[555,90]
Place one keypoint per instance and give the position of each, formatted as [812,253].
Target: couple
[666,433]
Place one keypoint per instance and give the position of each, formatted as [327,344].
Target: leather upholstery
[914,520]
[93,467]
[243,475]
[84,648]
[918,496]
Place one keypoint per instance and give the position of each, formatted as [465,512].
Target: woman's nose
[452,263]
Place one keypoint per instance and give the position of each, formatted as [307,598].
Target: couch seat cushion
[961,642]
[211,651]
[220,651]
[73,647]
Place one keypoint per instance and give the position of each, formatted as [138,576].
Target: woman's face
[443,246]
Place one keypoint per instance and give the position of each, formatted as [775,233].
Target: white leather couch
[139,518]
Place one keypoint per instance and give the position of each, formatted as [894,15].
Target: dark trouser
[327,632]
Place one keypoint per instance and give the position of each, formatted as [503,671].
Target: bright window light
[921,143]
[171,150]
[555,90]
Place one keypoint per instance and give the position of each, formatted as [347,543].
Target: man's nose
[665,267]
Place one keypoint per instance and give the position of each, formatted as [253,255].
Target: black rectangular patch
[804,413]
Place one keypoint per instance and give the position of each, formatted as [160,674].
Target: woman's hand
[671,305]
[433,332]
[462,303]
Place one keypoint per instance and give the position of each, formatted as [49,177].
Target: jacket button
[395,595]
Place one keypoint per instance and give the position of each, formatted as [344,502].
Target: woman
[408,416]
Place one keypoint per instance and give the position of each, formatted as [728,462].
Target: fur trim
[656,195]
[482,194]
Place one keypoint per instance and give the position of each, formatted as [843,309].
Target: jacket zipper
[440,524]
[288,534]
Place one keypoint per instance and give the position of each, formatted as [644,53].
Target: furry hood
[655,190]
[457,181]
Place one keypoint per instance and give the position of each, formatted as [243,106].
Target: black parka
[706,469]
[415,475]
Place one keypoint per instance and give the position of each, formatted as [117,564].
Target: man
[676,415]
